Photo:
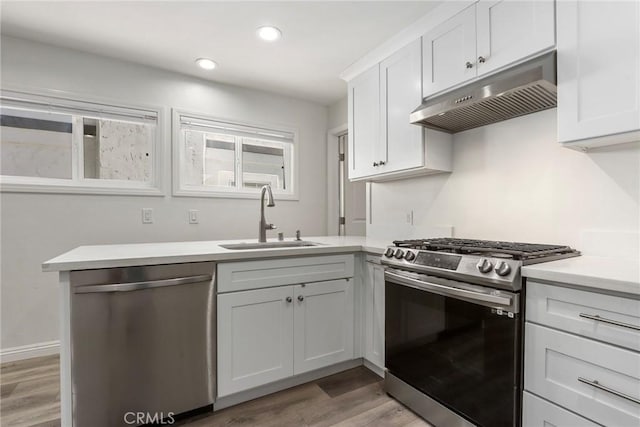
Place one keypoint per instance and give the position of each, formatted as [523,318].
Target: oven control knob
[502,268]
[484,265]
[409,256]
[389,252]
[399,254]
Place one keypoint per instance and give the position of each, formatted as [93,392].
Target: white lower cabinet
[269,334]
[323,324]
[597,380]
[255,338]
[611,319]
[581,358]
[537,412]
[374,314]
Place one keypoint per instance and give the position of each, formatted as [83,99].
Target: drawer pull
[596,384]
[609,321]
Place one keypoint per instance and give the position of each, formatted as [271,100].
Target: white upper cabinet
[364,119]
[510,30]
[483,38]
[400,94]
[598,72]
[449,53]
[383,144]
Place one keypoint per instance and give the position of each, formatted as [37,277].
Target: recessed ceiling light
[269,34]
[206,63]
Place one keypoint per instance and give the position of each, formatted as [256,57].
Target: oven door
[457,343]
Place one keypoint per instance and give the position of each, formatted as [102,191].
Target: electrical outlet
[193,216]
[147,215]
[410,217]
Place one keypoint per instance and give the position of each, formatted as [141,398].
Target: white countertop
[590,272]
[107,256]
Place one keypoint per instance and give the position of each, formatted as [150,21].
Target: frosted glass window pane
[118,150]
[209,159]
[219,162]
[35,143]
[265,162]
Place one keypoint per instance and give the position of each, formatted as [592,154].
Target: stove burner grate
[513,250]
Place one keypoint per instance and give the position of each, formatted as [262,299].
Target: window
[50,144]
[225,159]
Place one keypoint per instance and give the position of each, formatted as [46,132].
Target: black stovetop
[512,250]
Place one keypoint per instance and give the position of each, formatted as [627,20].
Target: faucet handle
[271,227]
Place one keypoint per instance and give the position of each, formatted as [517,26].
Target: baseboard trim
[13,354]
[243,396]
[374,368]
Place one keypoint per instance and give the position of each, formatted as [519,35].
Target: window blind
[236,129]
[21,101]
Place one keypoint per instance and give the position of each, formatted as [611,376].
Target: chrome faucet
[262,233]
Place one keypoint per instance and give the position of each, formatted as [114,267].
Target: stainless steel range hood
[523,89]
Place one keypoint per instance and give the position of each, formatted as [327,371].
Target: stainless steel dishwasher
[142,343]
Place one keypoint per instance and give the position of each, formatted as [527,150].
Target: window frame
[182,190]
[78,184]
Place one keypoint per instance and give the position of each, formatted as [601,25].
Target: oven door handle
[500,300]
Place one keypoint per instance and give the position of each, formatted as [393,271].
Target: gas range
[490,263]
[454,327]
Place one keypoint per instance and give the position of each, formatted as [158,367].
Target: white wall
[36,227]
[338,113]
[513,181]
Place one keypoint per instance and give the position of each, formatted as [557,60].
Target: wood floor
[30,397]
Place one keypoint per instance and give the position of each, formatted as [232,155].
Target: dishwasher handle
[137,286]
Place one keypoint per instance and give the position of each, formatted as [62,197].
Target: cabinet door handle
[597,318]
[469,64]
[482,59]
[300,298]
[382,162]
[289,299]
[596,384]
[375,164]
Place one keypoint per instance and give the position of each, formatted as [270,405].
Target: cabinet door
[323,325]
[537,412]
[374,315]
[400,94]
[599,381]
[364,123]
[255,338]
[598,68]
[449,53]
[509,30]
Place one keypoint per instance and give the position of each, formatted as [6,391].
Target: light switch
[193,216]
[147,215]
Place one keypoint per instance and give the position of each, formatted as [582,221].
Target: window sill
[8,185]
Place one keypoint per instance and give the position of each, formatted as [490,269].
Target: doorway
[352,219]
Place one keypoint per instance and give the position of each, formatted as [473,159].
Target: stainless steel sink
[269,245]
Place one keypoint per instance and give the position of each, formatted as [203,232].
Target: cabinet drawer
[538,412]
[239,276]
[558,366]
[575,311]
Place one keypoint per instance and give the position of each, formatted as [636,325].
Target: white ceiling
[320,39]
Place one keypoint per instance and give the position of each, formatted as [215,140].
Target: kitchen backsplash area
[513,181]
